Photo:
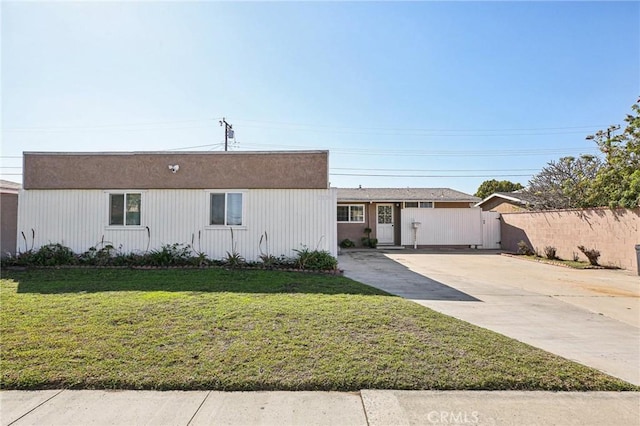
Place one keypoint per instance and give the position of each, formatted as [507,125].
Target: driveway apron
[589,316]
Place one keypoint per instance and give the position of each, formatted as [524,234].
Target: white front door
[384,229]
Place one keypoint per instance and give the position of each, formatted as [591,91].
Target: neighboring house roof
[514,197]
[8,187]
[404,194]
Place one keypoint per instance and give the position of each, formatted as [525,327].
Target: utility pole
[228,132]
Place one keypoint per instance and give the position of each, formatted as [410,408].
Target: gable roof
[8,187]
[404,194]
[514,197]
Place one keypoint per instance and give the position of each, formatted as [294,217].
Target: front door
[384,229]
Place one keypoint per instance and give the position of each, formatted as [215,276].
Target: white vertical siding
[442,226]
[292,218]
[490,230]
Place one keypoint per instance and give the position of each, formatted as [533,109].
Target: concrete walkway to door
[589,316]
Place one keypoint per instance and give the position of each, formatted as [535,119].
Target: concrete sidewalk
[592,316]
[368,407]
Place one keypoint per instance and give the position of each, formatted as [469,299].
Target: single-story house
[398,216]
[217,202]
[505,202]
[8,216]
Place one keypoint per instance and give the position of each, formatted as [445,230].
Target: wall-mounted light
[174,168]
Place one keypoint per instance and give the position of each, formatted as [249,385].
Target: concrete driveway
[589,316]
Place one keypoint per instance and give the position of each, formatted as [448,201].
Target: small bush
[54,255]
[523,248]
[99,257]
[234,260]
[315,260]
[592,254]
[347,243]
[550,252]
[575,257]
[170,255]
[369,242]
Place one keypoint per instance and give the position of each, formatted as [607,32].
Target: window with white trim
[226,208]
[125,209]
[351,213]
[418,204]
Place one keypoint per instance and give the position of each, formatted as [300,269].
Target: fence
[614,232]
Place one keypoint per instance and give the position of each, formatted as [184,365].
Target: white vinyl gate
[441,227]
[490,230]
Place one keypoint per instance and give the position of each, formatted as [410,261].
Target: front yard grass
[251,330]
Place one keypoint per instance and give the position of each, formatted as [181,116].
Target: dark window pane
[116,209]
[343,213]
[217,209]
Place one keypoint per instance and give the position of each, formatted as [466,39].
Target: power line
[435,170]
[427,176]
[195,146]
[459,153]
[101,126]
[595,126]
[404,131]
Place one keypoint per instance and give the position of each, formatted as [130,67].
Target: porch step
[384,247]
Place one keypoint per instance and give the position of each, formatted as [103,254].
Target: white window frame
[124,192]
[226,192]
[350,215]
[418,205]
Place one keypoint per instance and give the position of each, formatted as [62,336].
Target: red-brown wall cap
[197,170]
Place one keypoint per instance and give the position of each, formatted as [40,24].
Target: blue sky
[432,91]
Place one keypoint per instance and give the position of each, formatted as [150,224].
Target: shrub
[347,243]
[234,260]
[315,259]
[54,255]
[523,248]
[592,254]
[370,242]
[550,252]
[98,257]
[169,255]
[575,257]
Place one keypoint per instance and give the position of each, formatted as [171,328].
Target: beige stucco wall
[198,170]
[614,232]
[501,205]
[8,223]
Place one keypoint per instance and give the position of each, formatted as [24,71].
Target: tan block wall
[9,225]
[198,170]
[614,232]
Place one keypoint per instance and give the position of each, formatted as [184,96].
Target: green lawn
[251,330]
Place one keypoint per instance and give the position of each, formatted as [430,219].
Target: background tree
[617,183]
[563,184]
[488,187]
